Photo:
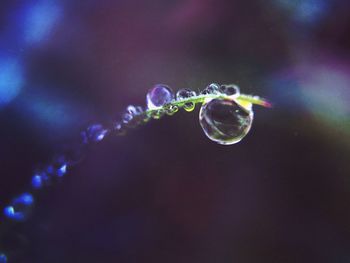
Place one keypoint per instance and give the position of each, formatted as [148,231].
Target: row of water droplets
[222,119]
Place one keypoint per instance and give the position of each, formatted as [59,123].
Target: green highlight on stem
[172,107]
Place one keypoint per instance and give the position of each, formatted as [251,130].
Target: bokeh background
[164,192]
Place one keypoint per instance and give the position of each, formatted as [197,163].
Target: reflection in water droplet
[158,96]
[20,207]
[225,121]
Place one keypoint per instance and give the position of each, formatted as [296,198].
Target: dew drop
[212,88]
[20,207]
[225,121]
[189,106]
[132,116]
[185,94]
[230,90]
[57,168]
[158,96]
[40,179]
[94,133]
[171,109]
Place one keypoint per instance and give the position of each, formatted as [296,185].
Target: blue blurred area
[11,79]
[306,11]
[39,20]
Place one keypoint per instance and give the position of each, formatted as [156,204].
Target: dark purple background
[165,193]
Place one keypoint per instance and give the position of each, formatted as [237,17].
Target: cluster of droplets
[223,118]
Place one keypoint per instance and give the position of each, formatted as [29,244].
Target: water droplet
[212,88]
[3,258]
[158,96]
[20,207]
[58,167]
[225,121]
[171,109]
[39,180]
[189,106]
[132,116]
[185,94]
[230,90]
[94,133]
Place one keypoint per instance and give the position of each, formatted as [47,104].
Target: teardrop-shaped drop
[158,96]
[224,121]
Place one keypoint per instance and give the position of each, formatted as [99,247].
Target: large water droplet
[20,207]
[225,121]
[158,96]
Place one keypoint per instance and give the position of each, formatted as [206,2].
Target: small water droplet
[20,207]
[3,258]
[212,88]
[132,116]
[230,90]
[189,106]
[185,94]
[158,96]
[94,133]
[225,121]
[40,179]
[171,109]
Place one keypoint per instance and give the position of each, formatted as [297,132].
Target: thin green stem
[201,98]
